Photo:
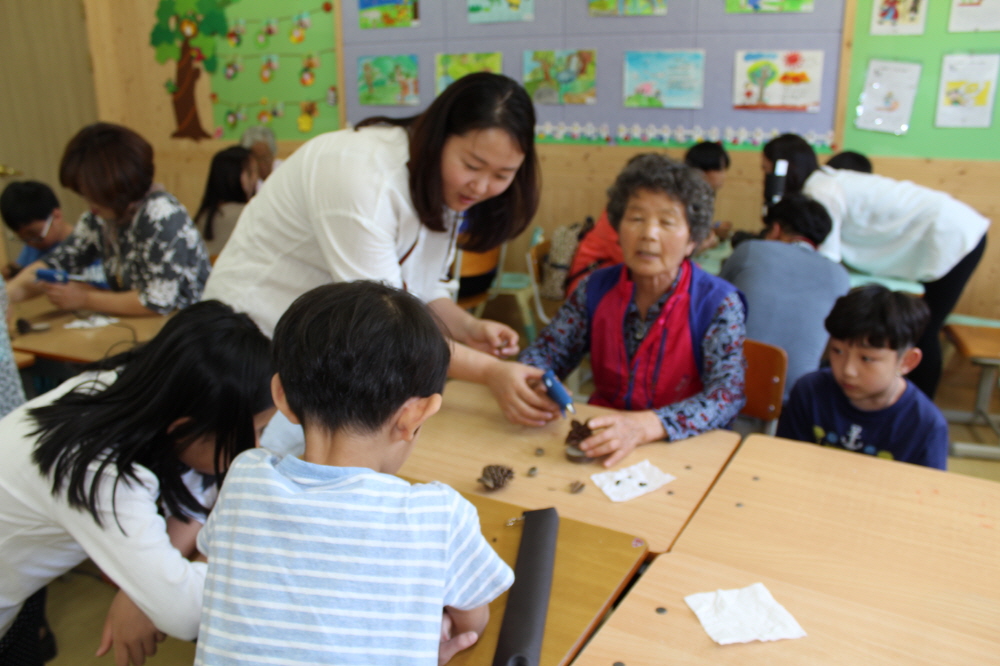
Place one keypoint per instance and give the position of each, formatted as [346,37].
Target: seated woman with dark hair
[154,258]
[665,338]
[232,180]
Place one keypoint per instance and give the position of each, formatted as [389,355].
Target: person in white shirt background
[895,229]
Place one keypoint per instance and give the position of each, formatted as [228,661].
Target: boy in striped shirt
[328,558]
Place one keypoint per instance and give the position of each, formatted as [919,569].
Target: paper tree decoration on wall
[263,57]
[186,32]
[279,67]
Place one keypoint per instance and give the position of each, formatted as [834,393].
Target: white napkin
[93,321]
[743,615]
[624,484]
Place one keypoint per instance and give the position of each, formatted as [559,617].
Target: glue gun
[52,275]
[558,393]
[57,276]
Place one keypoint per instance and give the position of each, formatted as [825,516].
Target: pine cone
[578,432]
[495,477]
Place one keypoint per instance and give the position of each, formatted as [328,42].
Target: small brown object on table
[577,433]
[495,477]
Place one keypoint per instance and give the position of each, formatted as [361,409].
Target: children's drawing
[974,16]
[778,80]
[274,67]
[628,7]
[898,17]
[759,6]
[968,89]
[886,102]
[665,79]
[501,11]
[449,67]
[561,77]
[388,14]
[388,80]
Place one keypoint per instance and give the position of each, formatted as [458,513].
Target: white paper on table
[743,615]
[628,483]
[93,321]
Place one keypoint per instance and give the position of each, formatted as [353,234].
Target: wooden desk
[839,631]
[78,345]
[470,432]
[920,544]
[592,566]
[23,360]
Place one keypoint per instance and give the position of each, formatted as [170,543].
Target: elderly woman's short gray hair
[259,133]
[660,174]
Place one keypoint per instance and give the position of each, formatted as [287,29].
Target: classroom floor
[78,601]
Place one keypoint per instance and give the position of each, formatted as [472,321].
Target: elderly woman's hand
[620,433]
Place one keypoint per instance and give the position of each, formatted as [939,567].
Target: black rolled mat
[520,642]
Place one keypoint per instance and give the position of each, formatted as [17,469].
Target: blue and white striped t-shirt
[312,564]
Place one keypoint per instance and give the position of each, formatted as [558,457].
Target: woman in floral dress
[154,258]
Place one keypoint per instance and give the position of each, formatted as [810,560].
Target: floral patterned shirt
[160,254]
[565,341]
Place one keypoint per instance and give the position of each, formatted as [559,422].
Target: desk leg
[984,393]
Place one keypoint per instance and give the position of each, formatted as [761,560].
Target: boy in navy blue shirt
[863,401]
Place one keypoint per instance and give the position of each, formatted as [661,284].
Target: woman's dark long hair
[800,156]
[475,102]
[208,366]
[224,184]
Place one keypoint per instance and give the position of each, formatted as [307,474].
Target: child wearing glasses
[31,210]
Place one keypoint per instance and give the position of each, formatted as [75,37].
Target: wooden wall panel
[48,93]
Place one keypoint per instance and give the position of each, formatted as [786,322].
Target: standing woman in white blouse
[892,228]
[384,201]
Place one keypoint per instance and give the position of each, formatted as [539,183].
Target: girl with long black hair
[102,467]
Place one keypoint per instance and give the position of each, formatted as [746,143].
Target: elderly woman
[665,338]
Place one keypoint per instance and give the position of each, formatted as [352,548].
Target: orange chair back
[767,366]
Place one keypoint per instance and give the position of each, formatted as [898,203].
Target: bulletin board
[922,138]
[277,67]
[268,63]
[566,26]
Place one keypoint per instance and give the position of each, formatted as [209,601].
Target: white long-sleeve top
[894,228]
[42,537]
[338,209]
